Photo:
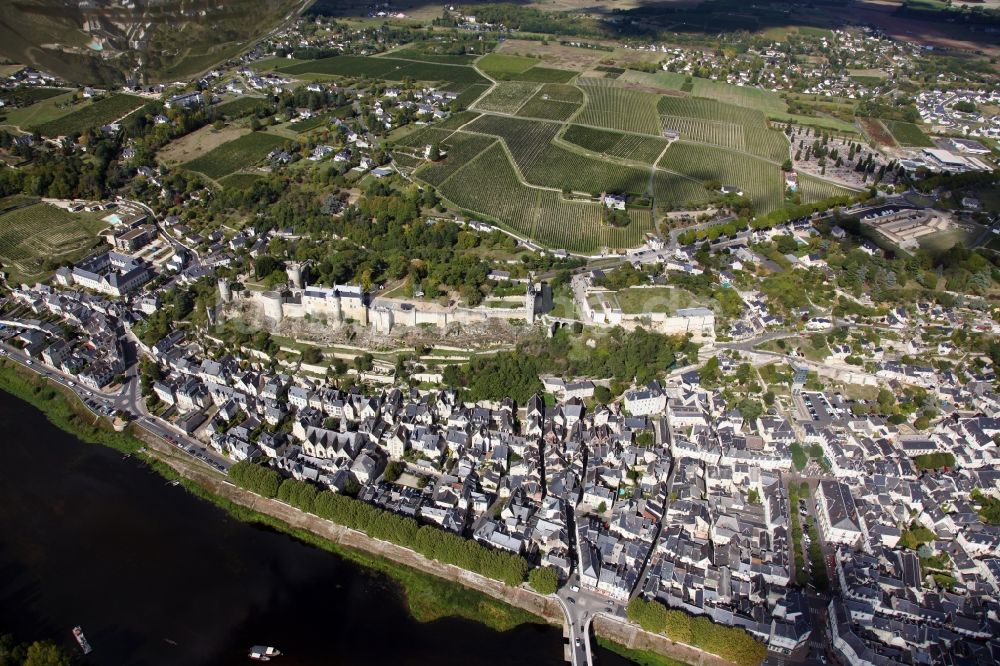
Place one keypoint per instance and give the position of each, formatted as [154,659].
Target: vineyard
[619,108]
[489,186]
[567,170]
[101,112]
[547,165]
[460,148]
[908,134]
[507,97]
[723,125]
[615,144]
[760,181]
[525,139]
[423,137]
[391,69]
[235,155]
[813,189]
[674,192]
[553,102]
[36,236]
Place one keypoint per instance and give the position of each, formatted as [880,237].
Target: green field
[760,181]
[507,97]
[908,134]
[499,65]
[34,237]
[544,75]
[389,69]
[240,153]
[103,111]
[40,112]
[488,186]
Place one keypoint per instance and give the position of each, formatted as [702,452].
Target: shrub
[544,580]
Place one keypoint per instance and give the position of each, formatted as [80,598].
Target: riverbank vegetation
[354,514]
[640,657]
[428,597]
[61,410]
[731,643]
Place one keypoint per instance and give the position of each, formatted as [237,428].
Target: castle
[342,304]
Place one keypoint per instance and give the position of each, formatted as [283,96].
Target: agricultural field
[460,148]
[507,97]
[28,96]
[34,237]
[760,181]
[616,144]
[469,94]
[456,120]
[553,102]
[103,111]
[390,69]
[412,53]
[242,106]
[240,181]
[488,186]
[40,112]
[672,191]
[619,108]
[423,137]
[545,75]
[310,124]
[525,139]
[240,153]
[500,66]
[198,143]
[908,134]
[567,170]
[813,189]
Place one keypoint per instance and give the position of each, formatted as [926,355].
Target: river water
[157,576]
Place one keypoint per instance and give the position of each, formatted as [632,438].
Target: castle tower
[225,292]
[296,273]
[530,301]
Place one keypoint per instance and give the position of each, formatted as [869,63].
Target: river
[157,576]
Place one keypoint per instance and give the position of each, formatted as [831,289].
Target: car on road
[578,642]
[575,588]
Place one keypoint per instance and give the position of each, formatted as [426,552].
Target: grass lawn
[654,299]
[942,241]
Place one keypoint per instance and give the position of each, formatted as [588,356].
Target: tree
[602,394]
[544,580]
[45,654]
[602,507]
[393,471]
[312,355]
